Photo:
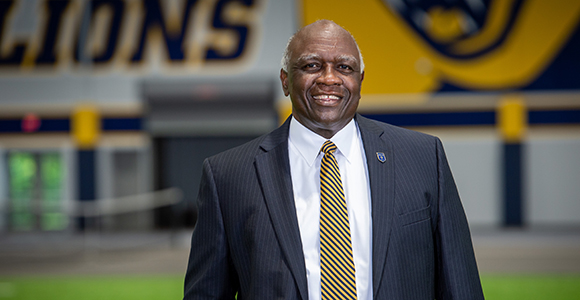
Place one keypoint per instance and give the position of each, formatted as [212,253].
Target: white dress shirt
[305,156]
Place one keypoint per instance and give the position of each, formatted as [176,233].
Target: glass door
[35,184]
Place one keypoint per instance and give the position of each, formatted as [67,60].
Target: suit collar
[273,170]
[382,183]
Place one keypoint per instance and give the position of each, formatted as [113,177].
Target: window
[35,191]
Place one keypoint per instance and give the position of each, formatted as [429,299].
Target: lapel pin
[381,157]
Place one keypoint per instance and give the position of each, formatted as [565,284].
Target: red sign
[30,123]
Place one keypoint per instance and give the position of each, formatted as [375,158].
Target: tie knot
[328,147]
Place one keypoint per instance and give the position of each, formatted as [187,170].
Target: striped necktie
[337,280]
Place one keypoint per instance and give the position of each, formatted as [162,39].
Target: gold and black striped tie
[337,279]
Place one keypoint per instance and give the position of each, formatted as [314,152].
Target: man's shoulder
[393,132]
[240,152]
[247,151]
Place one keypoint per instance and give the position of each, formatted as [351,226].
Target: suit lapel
[382,183]
[274,175]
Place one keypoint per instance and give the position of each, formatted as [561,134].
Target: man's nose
[329,76]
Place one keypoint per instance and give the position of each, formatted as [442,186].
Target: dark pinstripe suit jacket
[247,239]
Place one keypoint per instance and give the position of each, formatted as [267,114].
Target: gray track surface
[515,251]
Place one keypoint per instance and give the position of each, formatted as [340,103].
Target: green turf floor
[496,287]
[92,288]
[531,287]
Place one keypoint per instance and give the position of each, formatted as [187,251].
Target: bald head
[319,26]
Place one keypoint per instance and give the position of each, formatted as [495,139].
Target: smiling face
[324,77]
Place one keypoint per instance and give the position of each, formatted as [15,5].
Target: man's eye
[345,67]
[311,66]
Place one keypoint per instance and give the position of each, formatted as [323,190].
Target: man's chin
[332,123]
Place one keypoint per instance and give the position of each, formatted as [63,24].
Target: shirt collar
[309,143]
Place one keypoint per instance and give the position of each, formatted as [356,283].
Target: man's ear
[362,76]
[284,80]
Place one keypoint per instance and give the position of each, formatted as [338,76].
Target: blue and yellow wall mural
[463,45]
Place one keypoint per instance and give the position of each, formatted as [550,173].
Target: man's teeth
[326,97]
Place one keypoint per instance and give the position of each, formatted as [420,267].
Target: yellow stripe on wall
[512,118]
[86,126]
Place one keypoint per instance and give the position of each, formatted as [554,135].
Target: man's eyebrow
[346,58]
[308,57]
[340,58]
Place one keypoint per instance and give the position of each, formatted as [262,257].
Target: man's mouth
[326,98]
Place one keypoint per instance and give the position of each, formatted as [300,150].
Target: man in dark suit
[260,227]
